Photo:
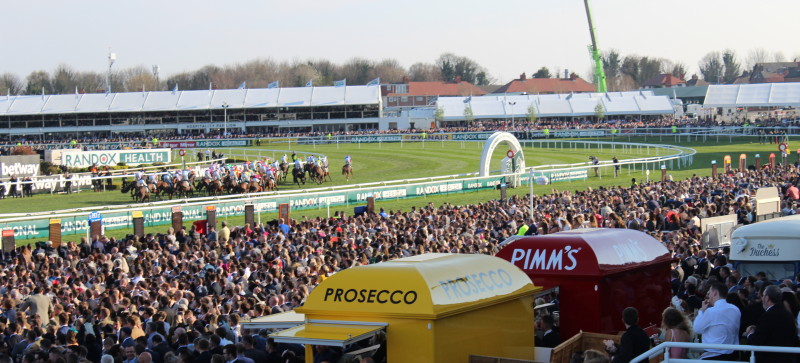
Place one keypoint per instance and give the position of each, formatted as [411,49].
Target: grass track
[381,162]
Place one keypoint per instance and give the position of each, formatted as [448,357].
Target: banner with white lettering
[19,165]
[74,158]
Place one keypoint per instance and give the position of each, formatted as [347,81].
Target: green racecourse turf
[391,161]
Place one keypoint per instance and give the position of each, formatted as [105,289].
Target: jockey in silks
[151,179]
[324,162]
[348,160]
[140,182]
[139,174]
[297,164]
[178,177]
[185,174]
[167,178]
[269,173]
[294,156]
[283,159]
[245,177]
[310,159]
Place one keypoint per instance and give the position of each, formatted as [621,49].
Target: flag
[175,89]
[8,93]
[309,83]
[209,86]
[375,82]
[76,91]
[243,85]
[341,83]
[43,93]
[468,99]
[275,84]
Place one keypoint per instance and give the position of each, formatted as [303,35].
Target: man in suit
[774,328]
[633,342]
[550,339]
[38,304]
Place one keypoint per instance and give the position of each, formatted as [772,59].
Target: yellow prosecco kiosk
[432,308]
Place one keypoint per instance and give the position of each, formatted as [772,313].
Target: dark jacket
[774,328]
[633,343]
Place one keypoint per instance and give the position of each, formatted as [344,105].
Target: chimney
[405,80]
[694,77]
[573,76]
[522,77]
[566,73]
[457,79]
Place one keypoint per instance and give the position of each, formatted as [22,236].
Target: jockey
[284,158]
[269,173]
[151,178]
[297,164]
[294,156]
[324,161]
[245,177]
[167,178]
[139,174]
[207,173]
[140,180]
[185,173]
[348,160]
[310,159]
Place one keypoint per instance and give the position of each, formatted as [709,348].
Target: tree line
[256,73]
[622,72]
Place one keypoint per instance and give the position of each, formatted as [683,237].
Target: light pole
[111,58]
[225,106]
[512,103]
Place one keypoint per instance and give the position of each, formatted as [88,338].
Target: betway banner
[39,228]
[19,165]
[51,184]
[73,158]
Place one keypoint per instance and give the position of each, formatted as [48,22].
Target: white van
[771,246]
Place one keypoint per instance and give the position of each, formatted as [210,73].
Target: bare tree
[424,72]
[358,70]
[138,79]
[778,57]
[755,56]
[389,71]
[10,84]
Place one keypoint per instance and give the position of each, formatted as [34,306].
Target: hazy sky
[505,36]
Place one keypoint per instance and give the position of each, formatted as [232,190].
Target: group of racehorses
[229,184]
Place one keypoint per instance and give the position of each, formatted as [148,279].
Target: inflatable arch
[495,140]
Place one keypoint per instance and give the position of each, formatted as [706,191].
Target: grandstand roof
[753,95]
[161,101]
[556,105]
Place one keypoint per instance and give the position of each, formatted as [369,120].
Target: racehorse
[164,188]
[269,183]
[317,174]
[347,171]
[254,187]
[284,169]
[184,188]
[140,193]
[299,176]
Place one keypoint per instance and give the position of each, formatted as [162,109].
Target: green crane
[599,74]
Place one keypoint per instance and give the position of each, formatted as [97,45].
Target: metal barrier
[663,348]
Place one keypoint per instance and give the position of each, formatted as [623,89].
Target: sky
[507,37]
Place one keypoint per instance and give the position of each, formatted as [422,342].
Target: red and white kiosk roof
[584,252]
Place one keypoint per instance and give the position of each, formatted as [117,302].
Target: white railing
[663,348]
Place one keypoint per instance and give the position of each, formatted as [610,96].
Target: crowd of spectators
[520,126]
[180,296]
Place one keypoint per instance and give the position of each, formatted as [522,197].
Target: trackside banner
[155,216]
[74,158]
[19,165]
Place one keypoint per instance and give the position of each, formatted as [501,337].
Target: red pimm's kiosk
[599,272]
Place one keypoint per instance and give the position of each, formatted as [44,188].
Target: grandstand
[191,112]
[636,105]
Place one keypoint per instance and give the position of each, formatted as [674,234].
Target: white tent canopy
[164,101]
[556,105]
[753,95]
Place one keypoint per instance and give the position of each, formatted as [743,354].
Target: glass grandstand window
[418,99]
[404,99]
